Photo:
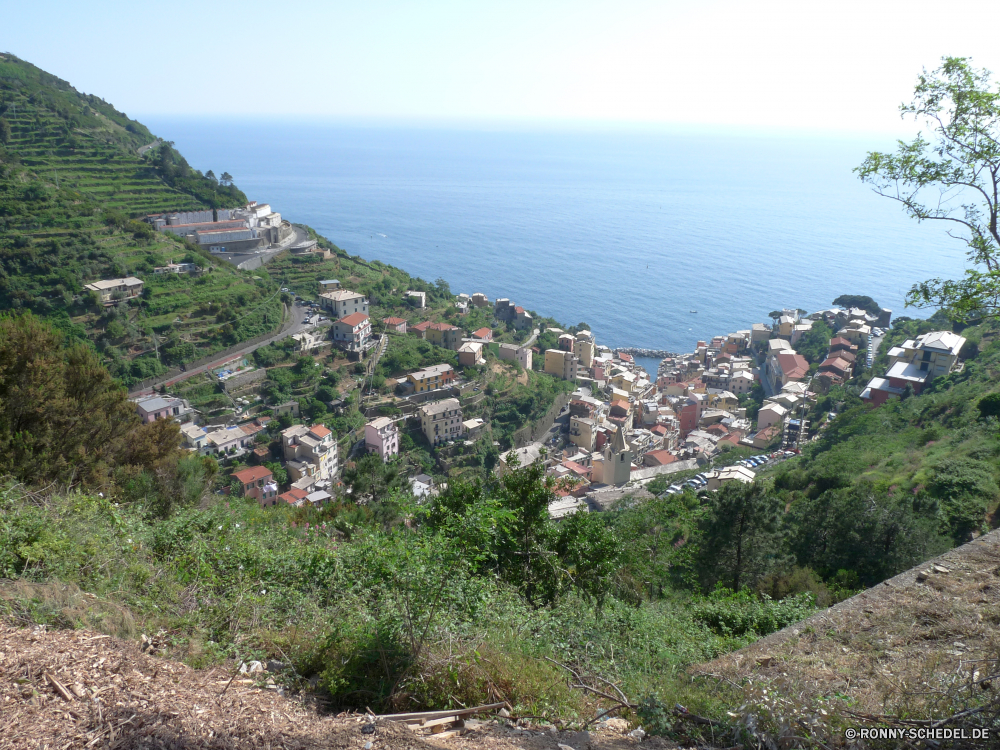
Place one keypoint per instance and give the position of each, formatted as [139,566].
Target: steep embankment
[77,689]
[920,646]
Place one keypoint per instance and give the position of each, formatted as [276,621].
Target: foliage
[815,343]
[742,613]
[372,480]
[953,178]
[742,535]
[862,301]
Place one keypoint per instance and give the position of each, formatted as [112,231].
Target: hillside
[377,599]
[922,644]
[75,173]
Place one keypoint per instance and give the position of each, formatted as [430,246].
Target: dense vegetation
[386,601]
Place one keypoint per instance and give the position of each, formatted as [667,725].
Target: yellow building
[561,364]
[582,432]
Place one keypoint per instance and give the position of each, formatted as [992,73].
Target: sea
[655,238]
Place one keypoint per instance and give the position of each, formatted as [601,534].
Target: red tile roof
[576,468]
[393,321]
[519,310]
[246,476]
[483,333]
[442,327]
[659,429]
[661,457]
[835,363]
[319,431]
[841,341]
[354,319]
[793,365]
[293,495]
[421,326]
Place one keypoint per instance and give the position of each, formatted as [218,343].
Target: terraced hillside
[75,174]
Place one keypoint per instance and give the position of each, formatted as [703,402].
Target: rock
[764,661]
[368,729]
[276,666]
[637,734]
[503,713]
[576,740]
[368,746]
[940,569]
[551,728]
[619,725]
[923,575]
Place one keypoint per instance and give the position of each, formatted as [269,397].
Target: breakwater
[639,352]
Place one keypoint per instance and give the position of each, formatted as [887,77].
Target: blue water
[628,231]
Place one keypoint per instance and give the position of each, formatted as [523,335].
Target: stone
[764,661]
[940,570]
[576,740]
[637,734]
[619,725]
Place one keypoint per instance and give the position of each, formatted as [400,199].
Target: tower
[617,459]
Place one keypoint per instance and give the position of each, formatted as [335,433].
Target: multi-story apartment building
[382,437]
[352,332]
[431,378]
[309,452]
[343,302]
[561,364]
[441,421]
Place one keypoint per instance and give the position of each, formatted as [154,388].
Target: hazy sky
[840,65]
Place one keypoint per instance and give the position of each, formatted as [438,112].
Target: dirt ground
[80,689]
[911,636]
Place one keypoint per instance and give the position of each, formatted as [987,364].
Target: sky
[840,66]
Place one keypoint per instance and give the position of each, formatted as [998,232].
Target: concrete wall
[243,379]
[530,433]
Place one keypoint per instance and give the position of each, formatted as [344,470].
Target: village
[738,402]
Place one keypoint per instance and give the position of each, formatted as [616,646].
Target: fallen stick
[427,715]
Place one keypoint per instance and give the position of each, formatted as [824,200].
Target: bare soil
[80,689]
[899,646]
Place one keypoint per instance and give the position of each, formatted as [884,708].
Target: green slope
[72,183]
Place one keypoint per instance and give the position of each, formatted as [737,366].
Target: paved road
[298,325]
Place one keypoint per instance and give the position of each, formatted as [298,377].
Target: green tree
[815,343]
[4,131]
[953,177]
[372,480]
[863,301]
[989,406]
[279,472]
[742,535]
[863,530]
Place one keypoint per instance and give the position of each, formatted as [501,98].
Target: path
[298,325]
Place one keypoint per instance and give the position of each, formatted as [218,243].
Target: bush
[744,613]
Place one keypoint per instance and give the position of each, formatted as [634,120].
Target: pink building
[382,437]
[151,408]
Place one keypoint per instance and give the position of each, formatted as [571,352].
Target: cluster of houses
[914,364]
[238,230]
[623,427]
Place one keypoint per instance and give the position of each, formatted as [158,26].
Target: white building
[343,302]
